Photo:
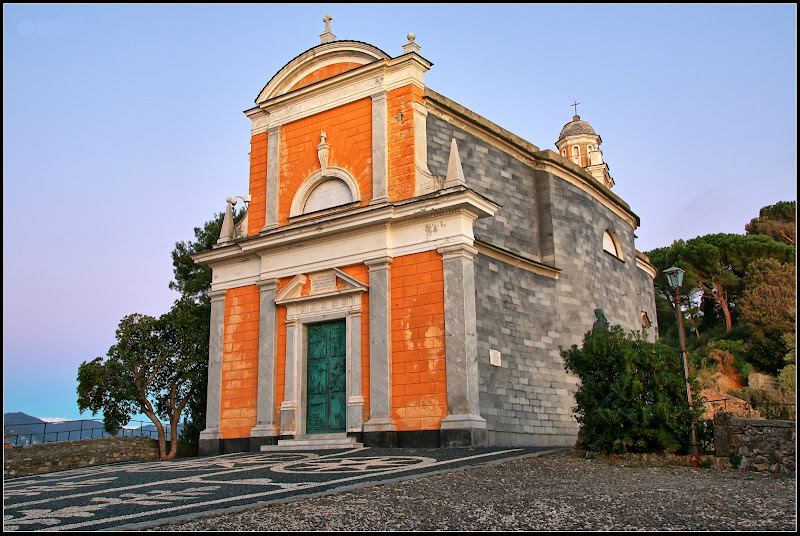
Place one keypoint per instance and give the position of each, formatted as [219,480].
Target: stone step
[327,443]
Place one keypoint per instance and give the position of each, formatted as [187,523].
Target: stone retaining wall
[30,460]
[764,445]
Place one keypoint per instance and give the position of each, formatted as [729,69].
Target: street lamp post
[675,278]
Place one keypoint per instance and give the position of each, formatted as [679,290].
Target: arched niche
[336,188]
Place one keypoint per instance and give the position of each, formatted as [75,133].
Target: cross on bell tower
[575,105]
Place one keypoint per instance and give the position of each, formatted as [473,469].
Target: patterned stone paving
[141,493]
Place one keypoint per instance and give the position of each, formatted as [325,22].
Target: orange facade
[419,388]
[419,381]
[323,73]
[240,362]
[349,133]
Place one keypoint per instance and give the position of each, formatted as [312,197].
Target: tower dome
[576,127]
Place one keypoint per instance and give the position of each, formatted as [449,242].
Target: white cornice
[434,221]
[363,82]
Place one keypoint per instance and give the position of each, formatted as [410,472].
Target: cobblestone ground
[553,492]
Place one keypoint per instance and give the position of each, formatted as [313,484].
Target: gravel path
[554,492]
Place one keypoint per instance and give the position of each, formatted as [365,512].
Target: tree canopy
[719,263]
[736,288]
[778,221]
[768,311]
[154,368]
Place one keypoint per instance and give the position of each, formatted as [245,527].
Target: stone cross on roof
[575,105]
[327,36]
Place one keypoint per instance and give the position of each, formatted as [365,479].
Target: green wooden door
[327,378]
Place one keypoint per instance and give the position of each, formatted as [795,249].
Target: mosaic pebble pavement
[138,494]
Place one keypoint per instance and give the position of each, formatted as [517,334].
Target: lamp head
[674,276]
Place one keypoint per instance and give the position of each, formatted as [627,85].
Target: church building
[408,270]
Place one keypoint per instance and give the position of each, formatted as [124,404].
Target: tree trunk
[173,444]
[722,299]
[162,436]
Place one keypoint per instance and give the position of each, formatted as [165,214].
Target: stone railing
[763,445]
[30,460]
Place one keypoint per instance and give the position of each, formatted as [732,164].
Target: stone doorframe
[312,309]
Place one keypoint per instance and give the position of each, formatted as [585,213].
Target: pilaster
[290,392]
[266,430]
[380,161]
[212,435]
[273,167]
[355,396]
[380,429]
[463,425]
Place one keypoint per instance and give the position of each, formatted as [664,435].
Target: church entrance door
[327,378]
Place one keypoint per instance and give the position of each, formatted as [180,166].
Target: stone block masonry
[764,445]
[31,460]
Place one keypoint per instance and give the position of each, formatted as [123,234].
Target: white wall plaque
[494,358]
[323,282]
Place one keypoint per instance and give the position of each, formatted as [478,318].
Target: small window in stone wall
[611,244]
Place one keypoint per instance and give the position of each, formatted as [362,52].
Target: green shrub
[736,459]
[632,396]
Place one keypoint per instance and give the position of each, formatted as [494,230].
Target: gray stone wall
[30,460]
[590,277]
[528,399]
[493,174]
[764,445]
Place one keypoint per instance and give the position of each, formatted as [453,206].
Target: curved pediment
[322,61]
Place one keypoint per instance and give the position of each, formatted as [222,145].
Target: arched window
[611,244]
[576,154]
[320,192]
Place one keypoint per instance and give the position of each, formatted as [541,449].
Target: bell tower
[579,143]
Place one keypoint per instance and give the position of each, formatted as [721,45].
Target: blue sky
[123,130]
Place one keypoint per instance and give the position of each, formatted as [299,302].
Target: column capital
[265,285]
[380,95]
[217,295]
[457,250]
[379,263]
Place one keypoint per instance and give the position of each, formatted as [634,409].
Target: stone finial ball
[411,37]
